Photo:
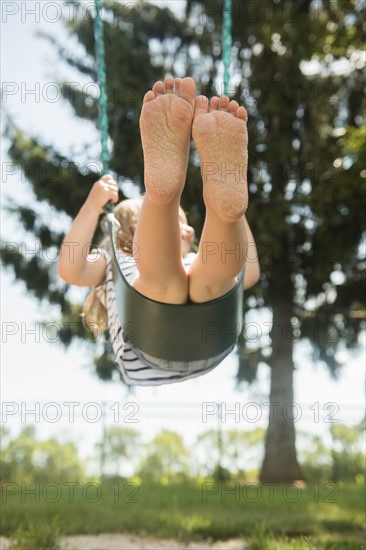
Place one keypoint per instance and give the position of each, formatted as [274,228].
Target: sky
[58,385]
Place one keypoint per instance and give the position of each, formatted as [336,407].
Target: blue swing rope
[103,97]
[227,43]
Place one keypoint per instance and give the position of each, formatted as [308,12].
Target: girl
[154,238]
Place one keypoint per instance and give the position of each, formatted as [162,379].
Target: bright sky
[36,369]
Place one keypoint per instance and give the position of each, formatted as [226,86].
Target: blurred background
[288,405]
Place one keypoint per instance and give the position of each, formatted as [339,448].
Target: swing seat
[189,332]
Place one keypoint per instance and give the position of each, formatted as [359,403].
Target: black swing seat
[188,332]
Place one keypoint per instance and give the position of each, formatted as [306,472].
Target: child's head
[126,213]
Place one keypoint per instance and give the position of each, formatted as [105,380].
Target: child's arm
[76,265]
[252,268]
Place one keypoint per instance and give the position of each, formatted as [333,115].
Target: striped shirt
[135,370]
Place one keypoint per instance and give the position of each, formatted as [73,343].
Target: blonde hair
[94,313]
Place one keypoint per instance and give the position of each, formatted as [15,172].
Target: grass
[266,517]
[38,536]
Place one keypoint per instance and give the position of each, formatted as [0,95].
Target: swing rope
[102,81]
[227,43]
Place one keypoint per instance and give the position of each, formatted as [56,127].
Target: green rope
[227,43]
[102,80]
[101,71]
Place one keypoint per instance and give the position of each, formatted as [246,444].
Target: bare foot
[220,134]
[165,123]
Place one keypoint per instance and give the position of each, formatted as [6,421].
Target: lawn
[326,516]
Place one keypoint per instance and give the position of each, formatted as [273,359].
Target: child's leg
[220,135]
[165,123]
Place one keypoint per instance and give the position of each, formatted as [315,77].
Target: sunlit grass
[299,518]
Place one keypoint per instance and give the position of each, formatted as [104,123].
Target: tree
[347,452]
[25,459]
[306,131]
[233,453]
[314,456]
[167,457]
[121,444]
[306,134]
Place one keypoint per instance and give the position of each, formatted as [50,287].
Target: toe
[233,107]
[224,103]
[169,85]
[201,105]
[149,96]
[187,89]
[241,113]
[177,82]
[158,88]
[214,103]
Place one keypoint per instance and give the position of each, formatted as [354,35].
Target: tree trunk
[280,461]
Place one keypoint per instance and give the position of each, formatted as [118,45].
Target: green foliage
[315,458]
[121,445]
[348,457]
[37,536]
[343,461]
[264,539]
[346,437]
[26,460]
[166,458]
[230,452]
[345,544]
